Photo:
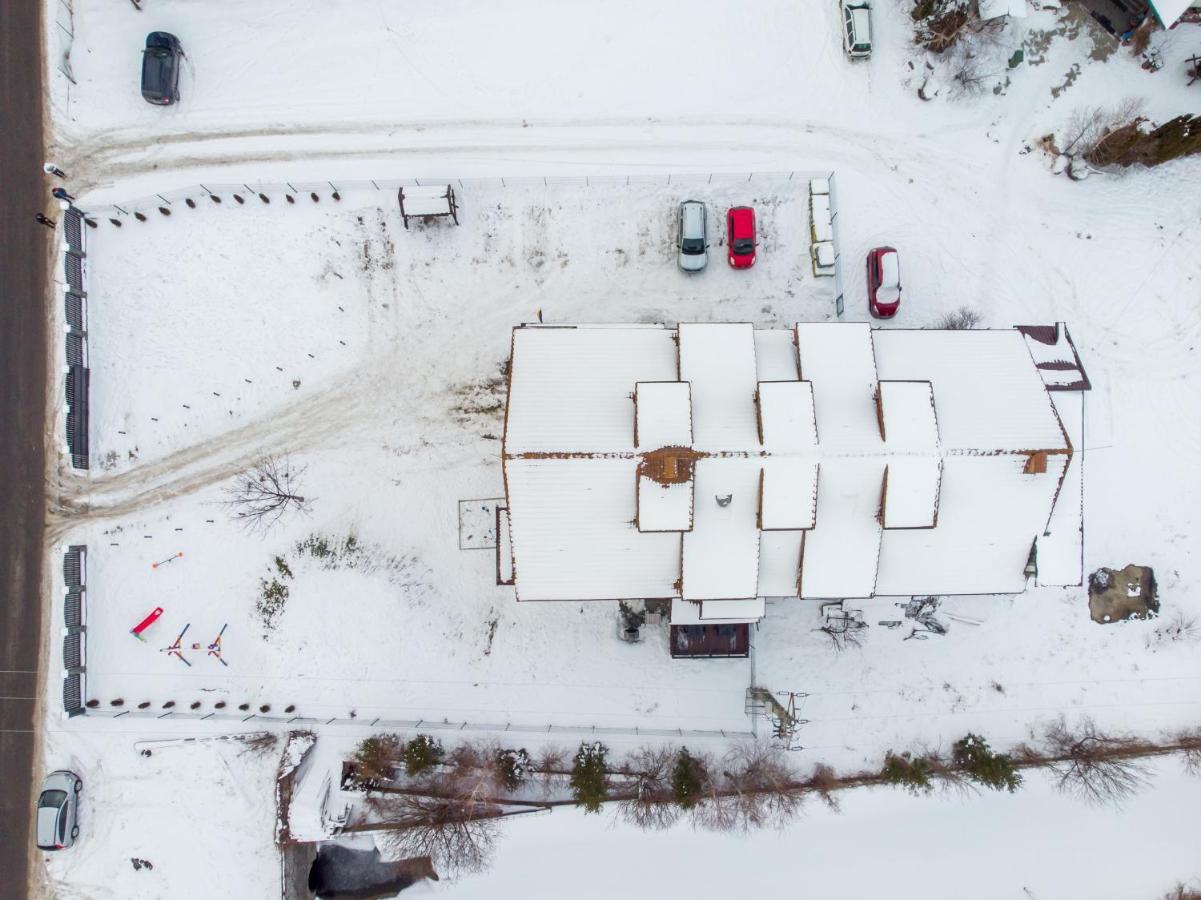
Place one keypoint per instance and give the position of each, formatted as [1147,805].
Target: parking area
[293,300]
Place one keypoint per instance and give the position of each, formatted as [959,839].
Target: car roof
[743,220]
[890,269]
[47,825]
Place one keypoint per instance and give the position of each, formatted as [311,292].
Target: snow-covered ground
[884,843]
[398,405]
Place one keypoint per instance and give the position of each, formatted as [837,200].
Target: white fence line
[275,191]
[423,724]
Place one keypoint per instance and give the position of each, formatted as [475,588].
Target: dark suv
[160,68]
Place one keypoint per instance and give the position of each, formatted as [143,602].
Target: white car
[857,28]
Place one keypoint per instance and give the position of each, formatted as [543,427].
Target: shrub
[982,765]
[421,753]
[686,779]
[512,766]
[908,772]
[588,784]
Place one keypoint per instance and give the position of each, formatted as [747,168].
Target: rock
[1078,169]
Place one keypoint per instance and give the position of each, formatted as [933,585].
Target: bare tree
[652,807]
[842,638]
[261,495]
[1190,749]
[823,782]
[1095,767]
[1088,127]
[458,835]
[751,788]
[960,320]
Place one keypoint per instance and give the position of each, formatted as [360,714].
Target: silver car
[693,236]
[57,823]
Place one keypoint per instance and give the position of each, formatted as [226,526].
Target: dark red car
[883,282]
[740,235]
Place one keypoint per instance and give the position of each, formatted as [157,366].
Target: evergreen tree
[686,779]
[588,782]
[982,765]
[421,753]
[913,774]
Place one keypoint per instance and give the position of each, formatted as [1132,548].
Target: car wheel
[74,832]
[78,786]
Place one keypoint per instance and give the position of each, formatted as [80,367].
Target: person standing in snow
[61,194]
[45,220]
[52,169]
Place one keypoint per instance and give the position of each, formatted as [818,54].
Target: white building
[716,465]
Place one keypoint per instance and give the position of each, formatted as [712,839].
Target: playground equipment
[150,619]
[169,559]
[178,649]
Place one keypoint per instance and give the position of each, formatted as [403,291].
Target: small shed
[427,203]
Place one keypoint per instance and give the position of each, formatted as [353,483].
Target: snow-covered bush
[512,767]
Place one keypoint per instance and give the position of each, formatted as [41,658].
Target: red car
[740,235]
[883,282]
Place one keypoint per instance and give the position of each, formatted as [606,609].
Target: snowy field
[398,409]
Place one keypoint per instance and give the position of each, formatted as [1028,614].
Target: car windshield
[52,799]
[743,246]
[692,246]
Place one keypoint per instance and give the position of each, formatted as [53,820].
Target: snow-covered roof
[719,360]
[780,563]
[664,416]
[829,461]
[788,495]
[839,360]
[987,392]
[570,388]
[1169,11]
[716,612]
[914,465]
[574,538]
[426,201]
[721,553]
[786,414]
[664,507]
[842,549]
